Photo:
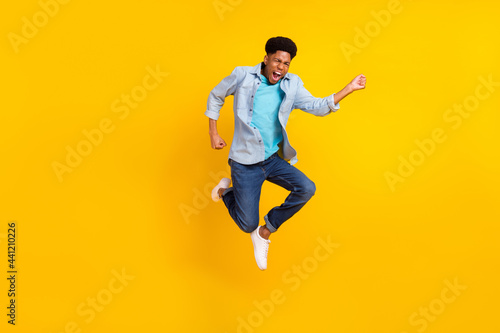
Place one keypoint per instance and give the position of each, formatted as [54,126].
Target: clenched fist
[217,142]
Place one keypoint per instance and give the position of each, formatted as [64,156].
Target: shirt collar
[256,70]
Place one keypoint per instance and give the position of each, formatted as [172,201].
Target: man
[264,97]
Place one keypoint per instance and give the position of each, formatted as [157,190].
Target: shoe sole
[253,235]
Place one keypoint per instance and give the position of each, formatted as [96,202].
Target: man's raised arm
[305,101]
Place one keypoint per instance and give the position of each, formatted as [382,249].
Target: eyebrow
[286,62]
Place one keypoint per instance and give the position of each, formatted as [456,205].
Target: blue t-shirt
[266,106]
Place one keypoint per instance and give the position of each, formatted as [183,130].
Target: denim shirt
[247,146]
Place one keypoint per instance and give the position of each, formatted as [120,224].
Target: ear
[266,59]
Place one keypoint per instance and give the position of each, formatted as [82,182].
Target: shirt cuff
[212,114]
[331,104]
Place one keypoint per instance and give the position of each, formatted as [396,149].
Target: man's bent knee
[249,225]
[308,189]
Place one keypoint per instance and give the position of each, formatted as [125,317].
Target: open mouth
[276,76]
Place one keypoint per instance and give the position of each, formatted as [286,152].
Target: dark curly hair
[281,44]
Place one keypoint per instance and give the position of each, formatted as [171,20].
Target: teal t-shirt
[266,105]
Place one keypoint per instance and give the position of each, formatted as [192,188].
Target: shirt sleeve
[218,95]
[305,101]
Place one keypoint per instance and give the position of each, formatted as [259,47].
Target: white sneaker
[260,248]
[224,183]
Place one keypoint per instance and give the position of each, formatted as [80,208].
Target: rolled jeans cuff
[269,226]
[227,190]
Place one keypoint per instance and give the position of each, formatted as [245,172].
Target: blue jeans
[242,200]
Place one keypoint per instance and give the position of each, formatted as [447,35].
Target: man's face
[276,66]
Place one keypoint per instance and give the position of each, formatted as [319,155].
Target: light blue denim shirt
[247,146]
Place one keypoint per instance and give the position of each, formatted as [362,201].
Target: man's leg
[242,200]
[292,179]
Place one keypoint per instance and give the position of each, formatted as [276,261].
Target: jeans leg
[292,179]
[243,201]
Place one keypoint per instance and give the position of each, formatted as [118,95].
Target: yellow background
[124,207]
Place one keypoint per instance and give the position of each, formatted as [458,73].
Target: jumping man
[264,97]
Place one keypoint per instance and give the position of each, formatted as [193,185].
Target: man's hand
[217,142]
[358,83]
